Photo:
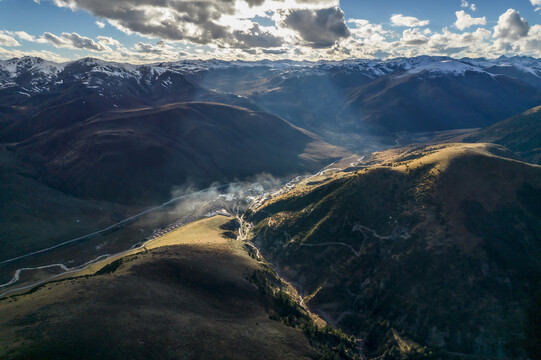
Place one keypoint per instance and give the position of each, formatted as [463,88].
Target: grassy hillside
[521,134]
[434,246]
[187,297]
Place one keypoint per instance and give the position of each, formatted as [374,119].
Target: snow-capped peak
[445,67]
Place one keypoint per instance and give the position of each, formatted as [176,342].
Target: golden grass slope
[185,297]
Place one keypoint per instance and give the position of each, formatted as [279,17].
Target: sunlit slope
[521,134]
[439,244]
[187,298]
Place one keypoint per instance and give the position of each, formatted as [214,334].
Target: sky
[143,31]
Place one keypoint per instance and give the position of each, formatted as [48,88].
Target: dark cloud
[274,51]
[199,21]
[255,37]
[194,21]
[253,3]
[318,28]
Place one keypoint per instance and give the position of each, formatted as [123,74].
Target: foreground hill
[434,246]
[520,134]
[189,299]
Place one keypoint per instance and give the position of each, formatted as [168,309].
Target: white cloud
[464,21]
[408,21]
[23,36]
[108,41]
[511,26]
[8,40]
[466,44]
[100,24]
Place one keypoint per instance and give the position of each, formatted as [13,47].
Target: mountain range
[359,96]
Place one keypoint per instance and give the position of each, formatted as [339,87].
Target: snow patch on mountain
[37,75]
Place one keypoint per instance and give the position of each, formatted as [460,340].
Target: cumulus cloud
[537,4]
[100,24]
[363,29]
[7,40]
[108,41]
[318,28]
[531,44]
[255,37]
[412,37]
[464,21]
[224,23]
[408,21]
[149,48]
[511,26]
[450,43]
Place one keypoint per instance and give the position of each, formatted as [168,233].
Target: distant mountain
[520,134]
[434,246]
[422,94]
[405,94]
[29,86]
[429,100]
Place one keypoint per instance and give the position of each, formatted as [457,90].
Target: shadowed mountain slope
[139,155]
